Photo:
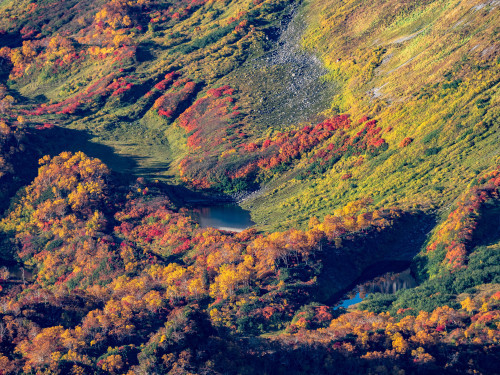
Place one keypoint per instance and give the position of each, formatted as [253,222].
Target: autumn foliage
[454,235]
[220,146]
[102,273]
[121,273]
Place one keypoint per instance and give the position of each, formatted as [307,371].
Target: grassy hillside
[426,71]
[359,134]
[138,78]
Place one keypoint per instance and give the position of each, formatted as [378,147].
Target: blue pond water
[388,283]
[351,301]
[225,217]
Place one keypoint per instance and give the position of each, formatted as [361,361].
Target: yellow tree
[468,305]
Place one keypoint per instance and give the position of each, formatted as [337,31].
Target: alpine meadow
[249,187]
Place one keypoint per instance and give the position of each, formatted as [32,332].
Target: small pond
[388,283]
[228,217]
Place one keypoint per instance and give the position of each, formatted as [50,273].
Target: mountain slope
[362,136]
[411,67]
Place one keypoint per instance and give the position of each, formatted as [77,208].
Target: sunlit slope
[102,67]
[238,96]
[427,71]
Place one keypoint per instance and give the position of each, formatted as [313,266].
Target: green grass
[454,137]
[422,69]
